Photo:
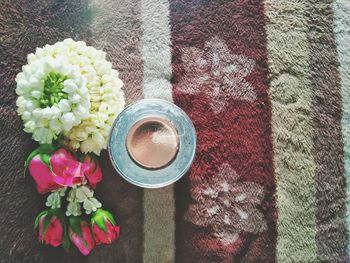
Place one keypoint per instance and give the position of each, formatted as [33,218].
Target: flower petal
[42,176]
[66,168]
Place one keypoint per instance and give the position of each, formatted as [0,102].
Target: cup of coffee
[152,143]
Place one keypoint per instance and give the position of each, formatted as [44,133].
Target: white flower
[93,75]
[53,96]
[73,209]
[81,194]
[54,199]
[91,205]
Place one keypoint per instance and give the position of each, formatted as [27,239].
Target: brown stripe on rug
[115,27]
[225,205]
[331,236]
[25,25]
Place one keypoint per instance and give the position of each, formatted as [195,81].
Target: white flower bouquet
[69,91]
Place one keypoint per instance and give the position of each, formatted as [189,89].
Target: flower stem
[53,90]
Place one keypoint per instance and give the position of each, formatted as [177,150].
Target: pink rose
[93,171]
[80,235]
[54,232]
[52,168]
[66,168]
[104,227]
[42,175]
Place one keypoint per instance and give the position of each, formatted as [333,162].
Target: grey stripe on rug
[115,27]
[291,94]
[158,204]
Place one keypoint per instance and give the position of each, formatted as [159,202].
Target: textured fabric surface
[291,95]
[267,85]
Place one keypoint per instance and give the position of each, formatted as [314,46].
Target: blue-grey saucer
[139,175]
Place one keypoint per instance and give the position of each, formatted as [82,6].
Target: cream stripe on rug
[291,96]
[341,10]
[158,204]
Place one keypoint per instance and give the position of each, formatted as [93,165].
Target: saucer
[152,143]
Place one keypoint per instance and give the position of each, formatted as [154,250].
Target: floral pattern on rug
[218,73]
[227,206]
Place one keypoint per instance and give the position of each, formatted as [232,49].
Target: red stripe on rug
[225,205]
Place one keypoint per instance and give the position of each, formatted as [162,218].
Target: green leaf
[99,218]
[110,217]
[44,150]
[85,243]
[80,157]
[45,158]
[58,212]
[47,148]
[75,224]
[29,158]
[100,222]
[95,159]
[46,223]
[37,219]
[92,232]
[66,241]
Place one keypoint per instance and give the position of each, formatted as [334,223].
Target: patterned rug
[267,85]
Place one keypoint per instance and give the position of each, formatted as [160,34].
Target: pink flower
[80,235]
[66,168]
[93,171]
[42,175]
[54,233]
[105,237]
[51,169]
[104,227]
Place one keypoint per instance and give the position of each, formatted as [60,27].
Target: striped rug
[267,85]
